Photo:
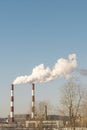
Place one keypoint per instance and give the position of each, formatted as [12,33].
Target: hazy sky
[34,32]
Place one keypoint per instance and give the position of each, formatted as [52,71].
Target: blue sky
[35,32]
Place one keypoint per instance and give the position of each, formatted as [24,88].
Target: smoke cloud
[41,73]
[83,72]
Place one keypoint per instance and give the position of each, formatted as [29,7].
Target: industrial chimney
[33,102]
[45,112]
[12,105]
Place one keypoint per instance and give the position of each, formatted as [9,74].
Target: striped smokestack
[33,102]
[12,105]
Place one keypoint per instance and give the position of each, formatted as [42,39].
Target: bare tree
[41,113]
[40,108]
[84,104]
[71,100]
[84,110]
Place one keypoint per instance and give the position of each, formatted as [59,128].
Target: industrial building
[32,120]
[50,121]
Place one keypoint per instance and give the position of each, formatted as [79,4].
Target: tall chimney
[12,105]
[45,112]
[33,102]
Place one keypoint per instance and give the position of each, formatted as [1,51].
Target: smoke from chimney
[83,72]
[41,73]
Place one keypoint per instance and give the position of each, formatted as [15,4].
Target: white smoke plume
[41,73]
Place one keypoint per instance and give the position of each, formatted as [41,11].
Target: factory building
[33,120]
[45,121]
[50,121]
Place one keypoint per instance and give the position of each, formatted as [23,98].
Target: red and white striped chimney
[33,102]
[12,105]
